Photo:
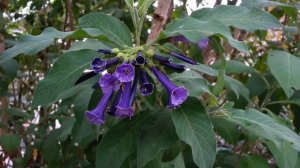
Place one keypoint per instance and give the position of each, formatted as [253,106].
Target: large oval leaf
[31,45]
[62,76]
[194,127]
[263,126]
[239,17]
[113,28]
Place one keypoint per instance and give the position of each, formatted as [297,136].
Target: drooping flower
[108,83]
[177,95]
[96,116]
[125,72]
[140,59]
[146,87]
[183,58]
[162,58]
[203,43]
[176,67]
[99,65]
[123,108]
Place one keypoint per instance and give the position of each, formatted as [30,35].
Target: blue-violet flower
[177,95]
[125,72]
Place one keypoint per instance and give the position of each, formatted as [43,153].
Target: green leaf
[171,153]
[249,161]
[111,27]
[260,3]
[15,112]
[237,87]
[263,126]
[285,68]
[194,127]
[285,156]
[10,68]
[120,141]
[66,128]
[155,137]
[91,44]
[62,76]
[51,148]
[227,130]
[233,66]
[238,16]
[10,142]
[31,45]
[194,30]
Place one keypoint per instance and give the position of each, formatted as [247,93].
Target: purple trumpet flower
[203,43]
[162,59]
[123,108]
[146,87]
[140,59]
[125,72]
[105,51]
[177,95]
[183,58]
[99,65]
[176,67]
[109,83]
[96,116]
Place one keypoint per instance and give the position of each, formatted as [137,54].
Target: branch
[160,18]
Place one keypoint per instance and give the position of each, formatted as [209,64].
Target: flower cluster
[132,74]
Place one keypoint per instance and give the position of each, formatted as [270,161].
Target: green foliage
[243,99]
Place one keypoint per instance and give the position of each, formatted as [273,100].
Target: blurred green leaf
[285,68]
[233,66]
[10,142]
[248,161]
[239,17]
[193,126]
[285,156]
[194,30]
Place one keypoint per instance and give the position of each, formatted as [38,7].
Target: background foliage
[243,108]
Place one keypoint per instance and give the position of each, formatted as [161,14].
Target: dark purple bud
[183,58]
[99,65]
[109,83]
[203,43]
[124,108]
[105,51]
[140,59]
[162,59]
[96,116]
[176,67]
[177,95]
[146,87]
[125,72]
